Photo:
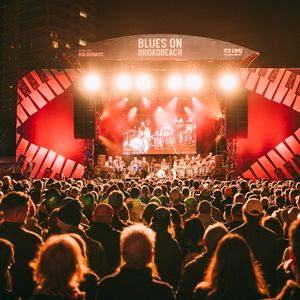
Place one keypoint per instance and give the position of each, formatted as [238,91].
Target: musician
[119,167]
[187,160]
[110,167]
[164,165]
[145,167]
[135,166]
[174,167]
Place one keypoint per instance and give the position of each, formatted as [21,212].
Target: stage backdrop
[45,125]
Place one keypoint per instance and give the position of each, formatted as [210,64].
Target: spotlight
[194,82]
[146,102]
[229,82]
[132,113]
[144,82]
[123,82]
[174,82]
[92,82]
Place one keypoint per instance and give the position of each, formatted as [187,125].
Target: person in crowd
[68,221]
[102,231]
[90,281]
[191,239]
[15,209]
[135,279]
[58,269]
[262,241]
[205,214]
[145,194]
[236,216]
[191,208]
[135,205]
[177,223]
[291,291]
[168,256]
[194,271]
[6,261]
[116,201]
[176,197]
[148,212]
[232,273]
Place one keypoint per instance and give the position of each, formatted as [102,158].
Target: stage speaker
[237,115]
[101,160]
[84,115]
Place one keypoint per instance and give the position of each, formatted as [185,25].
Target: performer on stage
[119,168]
[164,165]
[135,167]
[110,167]
[145,167]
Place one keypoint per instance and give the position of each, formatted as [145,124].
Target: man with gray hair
[135,278]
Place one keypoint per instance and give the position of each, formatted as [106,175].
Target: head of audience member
[52,199]
[161,219]
[190,203]
[233,272]
[137,246]
[6,261]
[157,192]
[292,196]
[175,196]
[280,201]
[116,200]
[239,198]
[135,193]
[59,266]
[212,235]
[218,195]
[103,213]
[253,211]
[227,213]
[236,212]
[68,216]
[192,235]
[148,212]
[74,192]
[15,207]
[175,217]
[204,207]
[273,224]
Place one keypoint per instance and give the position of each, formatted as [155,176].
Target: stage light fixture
[132,113]
[229,82]
[144,82]
[146,102]
[174,82]
[92,82]
[194,82]
[123,82]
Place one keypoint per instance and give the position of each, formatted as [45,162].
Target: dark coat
[193,274]
[109,239]
[264,245]
[134,285]
[95,253]
[168,258]
[26,244]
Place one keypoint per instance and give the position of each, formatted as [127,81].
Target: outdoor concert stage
[62,127]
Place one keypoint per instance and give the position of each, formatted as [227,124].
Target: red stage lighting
[92,82]
[229,82]
[122,103]
[146,102]
[132,113]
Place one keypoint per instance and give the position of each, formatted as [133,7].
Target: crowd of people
[149,238]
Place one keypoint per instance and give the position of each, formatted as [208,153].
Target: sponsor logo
[90,53]
[233,51]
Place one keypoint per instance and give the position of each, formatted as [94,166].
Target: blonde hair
[59,264]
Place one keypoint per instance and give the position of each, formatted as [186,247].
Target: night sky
[271,27]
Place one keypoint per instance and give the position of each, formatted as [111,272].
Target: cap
[253,207]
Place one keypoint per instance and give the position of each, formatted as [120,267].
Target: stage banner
[164,47]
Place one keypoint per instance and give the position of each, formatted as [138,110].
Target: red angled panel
[38,159]
[293,144]
[61,78]
[252,80]
[30,153]
[291,95]
[282,90]
[78,173]
[53,83]
[268,166]
[68,168]
[38,99]
[21,114]
[258,171]
[57,167]
[274,85]
[278,162]
[263,82]
[249,174]
[29,106]
[47,163]
[73,74]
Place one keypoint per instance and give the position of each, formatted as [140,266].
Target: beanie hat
[69,214]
